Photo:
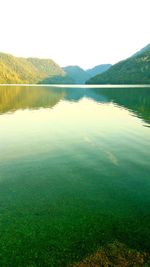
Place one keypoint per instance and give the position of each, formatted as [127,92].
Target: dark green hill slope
[134,70]
[27,70]
[144,49]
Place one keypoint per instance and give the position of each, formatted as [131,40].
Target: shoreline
[82,85]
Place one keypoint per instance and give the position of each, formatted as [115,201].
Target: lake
[74,172]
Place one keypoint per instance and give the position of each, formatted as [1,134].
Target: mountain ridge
[32,70]
[26,70]
[98,69]
[79,75]
[133,70]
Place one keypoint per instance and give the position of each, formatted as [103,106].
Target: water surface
[74,172]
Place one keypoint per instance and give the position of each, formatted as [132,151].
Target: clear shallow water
[74,172]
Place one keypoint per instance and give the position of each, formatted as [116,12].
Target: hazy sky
[74,32]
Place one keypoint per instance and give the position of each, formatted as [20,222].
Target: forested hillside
[27,70]
[134,70]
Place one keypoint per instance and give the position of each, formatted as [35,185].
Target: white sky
[74,32]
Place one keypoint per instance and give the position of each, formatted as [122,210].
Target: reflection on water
[134,99]
[14,98]
[74,172]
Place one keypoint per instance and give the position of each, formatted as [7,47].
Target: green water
[74,172]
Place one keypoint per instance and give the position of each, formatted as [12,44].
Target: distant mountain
[79,75]
[27,70]
[98,69]
[134,70]
[17,70]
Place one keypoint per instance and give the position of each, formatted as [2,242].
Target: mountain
[134,70]
[79,75]
[98,69]
[18,70]
[27,70]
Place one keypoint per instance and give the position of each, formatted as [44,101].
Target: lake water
[74,172]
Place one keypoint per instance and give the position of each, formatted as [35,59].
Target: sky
[74,32]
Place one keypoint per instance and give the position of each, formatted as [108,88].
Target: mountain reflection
[19,97]
[136,100]
[13,98]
